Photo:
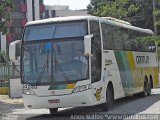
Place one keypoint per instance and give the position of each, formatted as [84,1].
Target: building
[61,11]
[22,12]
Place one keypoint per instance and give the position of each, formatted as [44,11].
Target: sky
[73,4]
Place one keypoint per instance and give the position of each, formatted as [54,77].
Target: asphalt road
[147,108]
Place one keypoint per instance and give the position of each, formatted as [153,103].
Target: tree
[156,13]
[144,16]
[5,8]
[121,9]
[137,12]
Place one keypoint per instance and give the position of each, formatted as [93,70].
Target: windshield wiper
[41,73]
[61,71]
[44,68]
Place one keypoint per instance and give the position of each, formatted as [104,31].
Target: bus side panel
[112,73]
[155,78]
[125,71]
[133,67]
[136,73]
[147,65]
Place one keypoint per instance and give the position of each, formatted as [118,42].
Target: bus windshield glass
[55,30]
[54,62]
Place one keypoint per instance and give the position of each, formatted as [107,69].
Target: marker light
[28,92]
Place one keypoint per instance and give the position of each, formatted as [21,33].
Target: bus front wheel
[109,99]
[53,110]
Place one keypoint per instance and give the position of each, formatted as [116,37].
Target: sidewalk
[8,105]
[4,99]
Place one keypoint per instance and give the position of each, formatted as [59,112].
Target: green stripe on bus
[57,87]
[124,69]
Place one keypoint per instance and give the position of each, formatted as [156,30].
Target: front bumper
[83,98]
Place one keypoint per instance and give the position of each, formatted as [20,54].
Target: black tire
[53,110]
[108,105]
[149,88]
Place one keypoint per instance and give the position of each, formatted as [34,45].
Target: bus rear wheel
[109,99]
[53,110]
[149,88]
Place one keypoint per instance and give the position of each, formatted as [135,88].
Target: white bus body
[114,71]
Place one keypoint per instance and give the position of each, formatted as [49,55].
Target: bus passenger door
[96,62]
[97,85]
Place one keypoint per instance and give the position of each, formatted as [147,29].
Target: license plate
[53,101]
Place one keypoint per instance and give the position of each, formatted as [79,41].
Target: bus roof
[60,19]
[124,24]
[106,20]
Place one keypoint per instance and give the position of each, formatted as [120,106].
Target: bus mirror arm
[87,44]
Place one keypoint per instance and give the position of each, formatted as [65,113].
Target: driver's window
[69,63]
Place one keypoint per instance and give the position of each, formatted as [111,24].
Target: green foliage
[3,57]
[120,9]
[157,23]
[156,12]
[157,39]
[5,6]
[137,12]
[151,38]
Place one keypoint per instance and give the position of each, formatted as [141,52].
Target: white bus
[85,61]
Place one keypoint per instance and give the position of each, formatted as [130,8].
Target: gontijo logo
[98,94]
[142,59]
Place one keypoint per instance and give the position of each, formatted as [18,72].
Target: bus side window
[108,42]
[149,46]
[118,38]
[134,43]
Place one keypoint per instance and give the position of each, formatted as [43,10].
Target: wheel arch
[145,79]
[151,80]
[110,85]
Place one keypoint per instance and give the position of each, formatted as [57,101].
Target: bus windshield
[54,60]
[56,30]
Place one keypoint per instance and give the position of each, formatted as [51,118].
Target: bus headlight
[28,92]
[82,88]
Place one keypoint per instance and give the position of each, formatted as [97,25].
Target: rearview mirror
[14,50]
[87,44]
